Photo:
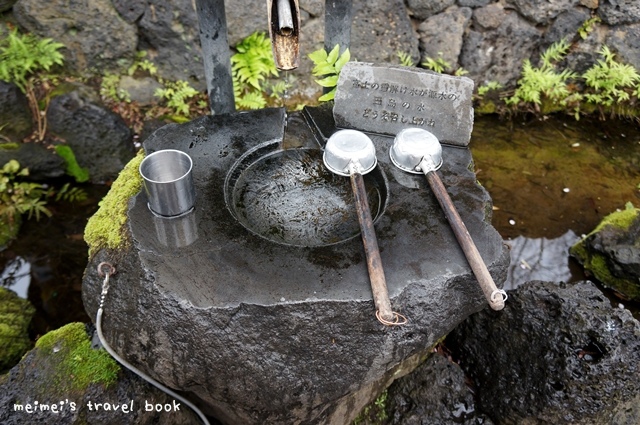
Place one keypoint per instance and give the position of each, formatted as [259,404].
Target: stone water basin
[258,303]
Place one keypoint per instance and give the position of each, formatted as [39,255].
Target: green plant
[612,81]
[327,67]
[486,88]
[251,65]
[109,86]
[176,94]
[109,89]
[587,26]
[23,60]
[374,413]
[544,82]
[70,194]
[405,59]
[20,197]
[74,169]
[438,64]
[143,64]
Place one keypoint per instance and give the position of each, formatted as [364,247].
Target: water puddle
[542,259]
[17,276]
[45,265]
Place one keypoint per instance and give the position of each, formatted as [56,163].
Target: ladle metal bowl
[352,153]
[418,151]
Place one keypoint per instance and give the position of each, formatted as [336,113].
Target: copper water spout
[284,30]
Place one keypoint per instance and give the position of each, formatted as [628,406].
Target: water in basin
[290,197]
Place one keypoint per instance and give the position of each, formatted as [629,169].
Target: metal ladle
[415,150]
[351,153]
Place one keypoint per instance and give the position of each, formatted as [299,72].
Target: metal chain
[106,269]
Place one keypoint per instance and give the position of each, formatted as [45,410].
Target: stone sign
[386,99]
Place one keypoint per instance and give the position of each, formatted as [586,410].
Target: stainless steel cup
[176,232]
[168,182]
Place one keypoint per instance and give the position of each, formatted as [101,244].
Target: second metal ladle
[415,150]
[352,153]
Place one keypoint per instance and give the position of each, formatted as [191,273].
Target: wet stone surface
[280,331]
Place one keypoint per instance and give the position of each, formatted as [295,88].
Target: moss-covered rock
[74,364]
[611,252]
[15,316]
[106,228]
[63,379]
[9,230]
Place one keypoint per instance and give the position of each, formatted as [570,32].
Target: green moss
[106,228]
[73,168]
[597,264]
[15,316]
[77,364]
[9,146]
[621,219]
[9,231]
[485,107]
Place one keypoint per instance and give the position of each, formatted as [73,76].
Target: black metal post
[216,55]
[337,25]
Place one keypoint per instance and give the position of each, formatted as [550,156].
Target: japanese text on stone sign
[401,104]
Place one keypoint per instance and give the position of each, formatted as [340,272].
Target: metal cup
[168,182]
[176,232]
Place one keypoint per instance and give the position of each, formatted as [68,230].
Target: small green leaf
[319,56]
[333,55]
[342,60]
[323,69]
[330,81]
[328,96]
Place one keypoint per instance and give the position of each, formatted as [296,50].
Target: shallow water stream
[551,181]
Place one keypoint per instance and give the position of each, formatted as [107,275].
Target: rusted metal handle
[496,297]
[374,263]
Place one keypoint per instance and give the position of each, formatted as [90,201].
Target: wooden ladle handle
[496,297]
[374,263]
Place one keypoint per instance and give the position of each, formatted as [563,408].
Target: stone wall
[489,39]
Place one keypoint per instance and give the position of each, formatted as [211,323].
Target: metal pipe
[216,55]
[285,17]
[338,15]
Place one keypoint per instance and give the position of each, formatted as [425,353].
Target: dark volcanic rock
[268,332]
[16,121]
[43,163]
[99,138]
[94,34]
[558,353]
[497,54]
[434,393]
